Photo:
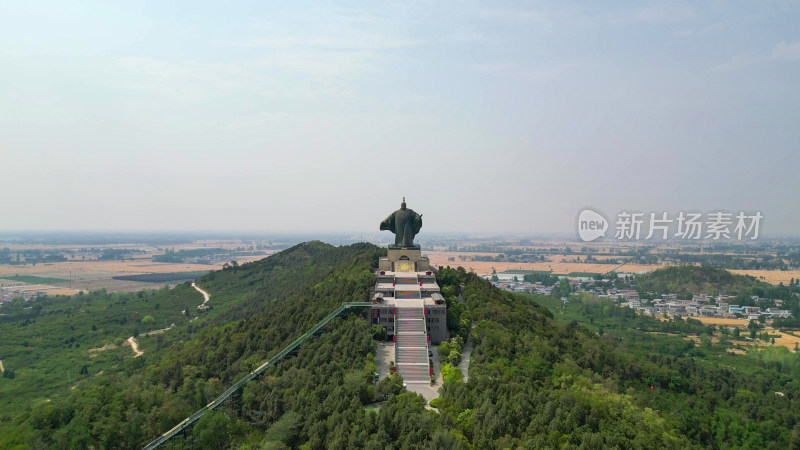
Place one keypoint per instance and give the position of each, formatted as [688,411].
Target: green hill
[690,279]
[534,382]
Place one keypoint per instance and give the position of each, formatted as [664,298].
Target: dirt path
[205,294]
[2,369]
[135,347]
[150,333]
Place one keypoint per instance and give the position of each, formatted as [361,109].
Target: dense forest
[536,380]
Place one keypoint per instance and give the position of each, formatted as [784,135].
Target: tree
[211,430]
[379,333]
[454,357]
[284,431]
[451,374]
[753,327]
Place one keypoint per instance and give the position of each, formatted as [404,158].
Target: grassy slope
[47,342]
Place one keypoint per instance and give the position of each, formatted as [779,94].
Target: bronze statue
[405,224]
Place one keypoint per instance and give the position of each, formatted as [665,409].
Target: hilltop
[692,279]
[534,381]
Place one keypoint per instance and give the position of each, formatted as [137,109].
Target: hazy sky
[309,117]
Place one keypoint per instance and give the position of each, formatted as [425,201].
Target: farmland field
[442,258]
[772,276]
[439,258]
[31,279]
[75,275]
[162,277]
[741,323]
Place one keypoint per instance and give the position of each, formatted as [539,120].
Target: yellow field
[742,323]
[771,276]
[438,258]
[61,291]
[786,340]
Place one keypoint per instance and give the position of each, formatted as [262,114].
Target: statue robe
[405,224]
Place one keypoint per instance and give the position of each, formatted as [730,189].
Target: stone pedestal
[404,259]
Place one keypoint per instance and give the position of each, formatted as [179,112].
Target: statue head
[403,205]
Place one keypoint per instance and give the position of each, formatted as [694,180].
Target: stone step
[413,368]
[410,359]
[401,350]
[412,373]
[418,340]
[412,351]
[407,341]
[412,330]
[404,370]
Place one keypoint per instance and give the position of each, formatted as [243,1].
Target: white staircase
[411,346]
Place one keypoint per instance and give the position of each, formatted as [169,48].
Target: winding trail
[205,294]
[2,369]
[135,347]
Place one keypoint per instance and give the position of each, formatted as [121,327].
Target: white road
[205,294]
[135,347]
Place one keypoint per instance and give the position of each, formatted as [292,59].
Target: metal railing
[285,351]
